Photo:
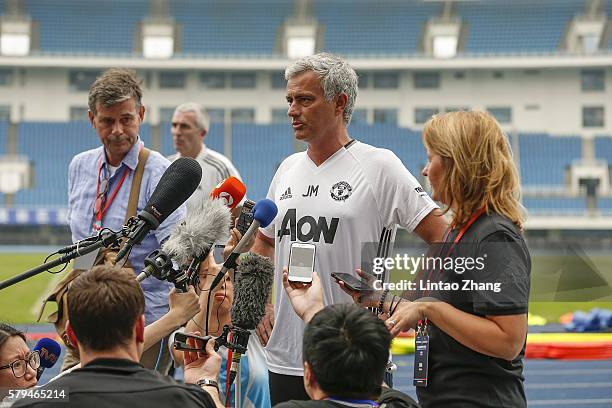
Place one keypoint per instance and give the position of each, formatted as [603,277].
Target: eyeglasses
[20,365]
[101,198]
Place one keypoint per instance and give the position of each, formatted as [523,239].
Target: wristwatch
[207,382]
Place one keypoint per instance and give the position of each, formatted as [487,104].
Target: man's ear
[308,376]
[71,336]
[139,329]
[141,113]
[341,101]
[90,115]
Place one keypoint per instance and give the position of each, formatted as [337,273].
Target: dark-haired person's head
[18,363]
[106,306]
[345,351]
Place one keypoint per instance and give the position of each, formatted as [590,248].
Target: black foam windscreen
[251,289]
[176,185]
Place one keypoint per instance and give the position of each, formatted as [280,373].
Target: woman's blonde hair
[478,168]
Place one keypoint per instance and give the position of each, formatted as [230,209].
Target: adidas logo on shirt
[286,194]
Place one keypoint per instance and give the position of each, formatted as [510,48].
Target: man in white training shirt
[338,194]
[190,124]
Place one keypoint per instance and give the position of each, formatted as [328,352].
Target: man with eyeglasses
[100,183]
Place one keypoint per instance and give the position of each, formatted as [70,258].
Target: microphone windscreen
[49,351]
[264,212]
[175,186]
[231,190]
[252,286]
[204,225]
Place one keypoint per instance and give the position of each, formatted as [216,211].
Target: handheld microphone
[231,190]
[176,185]
[251,288]
[264,213]
[49,351]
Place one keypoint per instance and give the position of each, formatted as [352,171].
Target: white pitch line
[571,371]
[581,402]
[570,385]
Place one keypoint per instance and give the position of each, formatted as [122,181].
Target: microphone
[49,351]
[176,185]
[264,213]
[191,239]
[251,288]
[231,190]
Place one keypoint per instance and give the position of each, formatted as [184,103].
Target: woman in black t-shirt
[476,316]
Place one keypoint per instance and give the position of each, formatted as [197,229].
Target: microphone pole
[107,239]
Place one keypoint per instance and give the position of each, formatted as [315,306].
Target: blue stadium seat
[405,143]
[544,158]
[373,27]
[51,146]
[230,27]
[556,205]
[213,139]
[605,205]
[3,146]
[603,148]
[87,27]
[257,152]
[516,26]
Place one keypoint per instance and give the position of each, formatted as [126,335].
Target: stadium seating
[544,159]
[603,148]
[557,205]
[516,26]
[605,205]
[3,146]
[405,143]
[230,27]
[51,159]
[245,27]
[87,27]
[373,27]
[257,152]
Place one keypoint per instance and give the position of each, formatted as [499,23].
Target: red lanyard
[422,325]
[462,232]
[100,214]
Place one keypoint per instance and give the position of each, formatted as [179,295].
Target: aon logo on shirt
[307,228]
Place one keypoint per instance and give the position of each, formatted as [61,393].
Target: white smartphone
[301,262]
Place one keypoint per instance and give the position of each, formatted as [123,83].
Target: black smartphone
[180,342]
[245,219]
[351,282]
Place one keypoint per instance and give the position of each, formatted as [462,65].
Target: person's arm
[183,306]
[432,228]
[496,336]
[203,365]
[306,299]
[265,246]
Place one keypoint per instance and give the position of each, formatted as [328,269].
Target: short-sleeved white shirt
[359,195]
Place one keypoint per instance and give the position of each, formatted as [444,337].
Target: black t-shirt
[495,283]
[389,398]
[121,383]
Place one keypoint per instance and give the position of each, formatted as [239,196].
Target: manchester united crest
[341,191]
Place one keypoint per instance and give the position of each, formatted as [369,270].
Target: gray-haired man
[338,194]
[190,124]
